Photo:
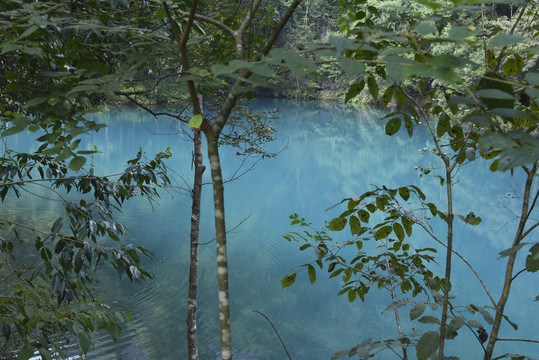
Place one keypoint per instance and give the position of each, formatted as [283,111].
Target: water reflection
[331,152]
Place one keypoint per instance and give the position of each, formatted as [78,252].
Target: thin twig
[229,231]
[524,340]
[276,332]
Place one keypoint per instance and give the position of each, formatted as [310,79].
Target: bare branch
[276,332]
[208,20]
[524,340]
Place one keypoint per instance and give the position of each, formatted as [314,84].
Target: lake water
[331,152]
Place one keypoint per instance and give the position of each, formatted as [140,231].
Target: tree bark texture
[220,236]
[511,263]
[192,346]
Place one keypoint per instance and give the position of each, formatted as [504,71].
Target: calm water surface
[330,153]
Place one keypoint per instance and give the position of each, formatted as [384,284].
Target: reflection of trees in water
[333,152]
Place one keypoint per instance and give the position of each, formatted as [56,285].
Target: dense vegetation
[466,70]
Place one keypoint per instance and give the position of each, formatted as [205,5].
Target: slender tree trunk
[511,263]
[447,281]
[220,235]
[193,264]
[394,298]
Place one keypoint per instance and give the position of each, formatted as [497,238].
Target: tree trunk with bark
[192,346]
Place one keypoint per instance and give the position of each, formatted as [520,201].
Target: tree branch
[208,20]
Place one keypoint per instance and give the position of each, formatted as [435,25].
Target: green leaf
[84,341]
[351,67]
[388,95]
[77,163]
[399,303]
[511,250]
[351,295]
[494,94]
[427,345]
[472,219]
[364,215]
[443,126]
[407,225]
[459,33]
[400,68]
[373,87]
[26,353]
[393,126]
[288,280]
[532,78]
[28,32]
[312,273]
[355,225]
[453,327]
[532,260]
[398,230]
[488,318]
[404,193]
[343,43]
[88,88]
[337,224]
[429,320]
[425,28]
[296,63]
[417,310]
[45,354]
[431,4]
[515,326]
[57,226]
[195,121]
[35,101]
[354,91]
[513,66]
[6,329]
[383,232]
[13,130]
[504,39]
[34,51]
[475,324]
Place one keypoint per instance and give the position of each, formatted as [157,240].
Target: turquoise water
[330,152]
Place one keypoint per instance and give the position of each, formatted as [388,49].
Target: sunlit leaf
[195,121]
